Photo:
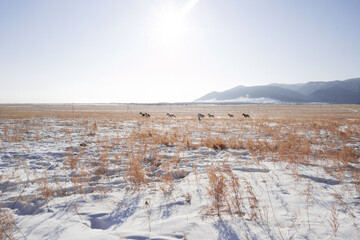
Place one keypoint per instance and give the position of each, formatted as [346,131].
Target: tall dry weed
[217,190]
[253,201]
[136,173]
[71,159]
[235,143]
[216,143]
[167,178]
[235,194]
[44,187]
[8,227]
[334,220]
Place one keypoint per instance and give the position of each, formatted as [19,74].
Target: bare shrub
[44,188]
[334,220]
[236,198]
[293,148]
[216,143]
[142,135]
[167,178]
[253,201]
[94,128]
[179,173]
[136,173]
[217,190]
[309,201]
[103,168]
[188,197]
[163,139]
[71,159]
[8,226]
[80,179]
[6,128]
[189,144]
[235,143]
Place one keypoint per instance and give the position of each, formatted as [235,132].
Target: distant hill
[338,92]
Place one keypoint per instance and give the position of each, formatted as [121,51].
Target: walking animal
[200,116]
[144,114]
[230,115]
[246,115]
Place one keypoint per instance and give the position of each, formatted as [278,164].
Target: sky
[147,51]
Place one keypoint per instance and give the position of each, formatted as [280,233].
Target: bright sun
[171,22]
[170,25]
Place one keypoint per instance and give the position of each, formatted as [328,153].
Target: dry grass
[236,198]
[309,201]
[71,160]
[8,227]
[151,150]
[167,178]
[136,172]
[235,143]
[216,143]
[164,139]
[45,189]
[334,220]
[188,198]
[217,190]
[189,144]
[253,201]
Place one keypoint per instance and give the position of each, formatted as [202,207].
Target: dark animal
[200,116]
[210,115]
[171,115]
[230,115]
[246,115]
[144,114]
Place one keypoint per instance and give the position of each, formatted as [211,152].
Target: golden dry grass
[8,226]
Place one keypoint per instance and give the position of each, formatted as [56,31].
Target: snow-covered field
[106,172]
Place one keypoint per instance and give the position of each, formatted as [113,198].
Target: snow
[261,100]
[294,200]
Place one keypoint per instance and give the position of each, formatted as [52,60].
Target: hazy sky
[166,50]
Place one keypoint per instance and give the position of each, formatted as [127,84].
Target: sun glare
[171,23]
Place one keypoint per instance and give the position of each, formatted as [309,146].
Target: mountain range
[335,92]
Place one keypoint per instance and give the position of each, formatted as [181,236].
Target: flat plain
[105,171]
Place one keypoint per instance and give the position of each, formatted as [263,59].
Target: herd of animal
[200,115]
[144,114]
